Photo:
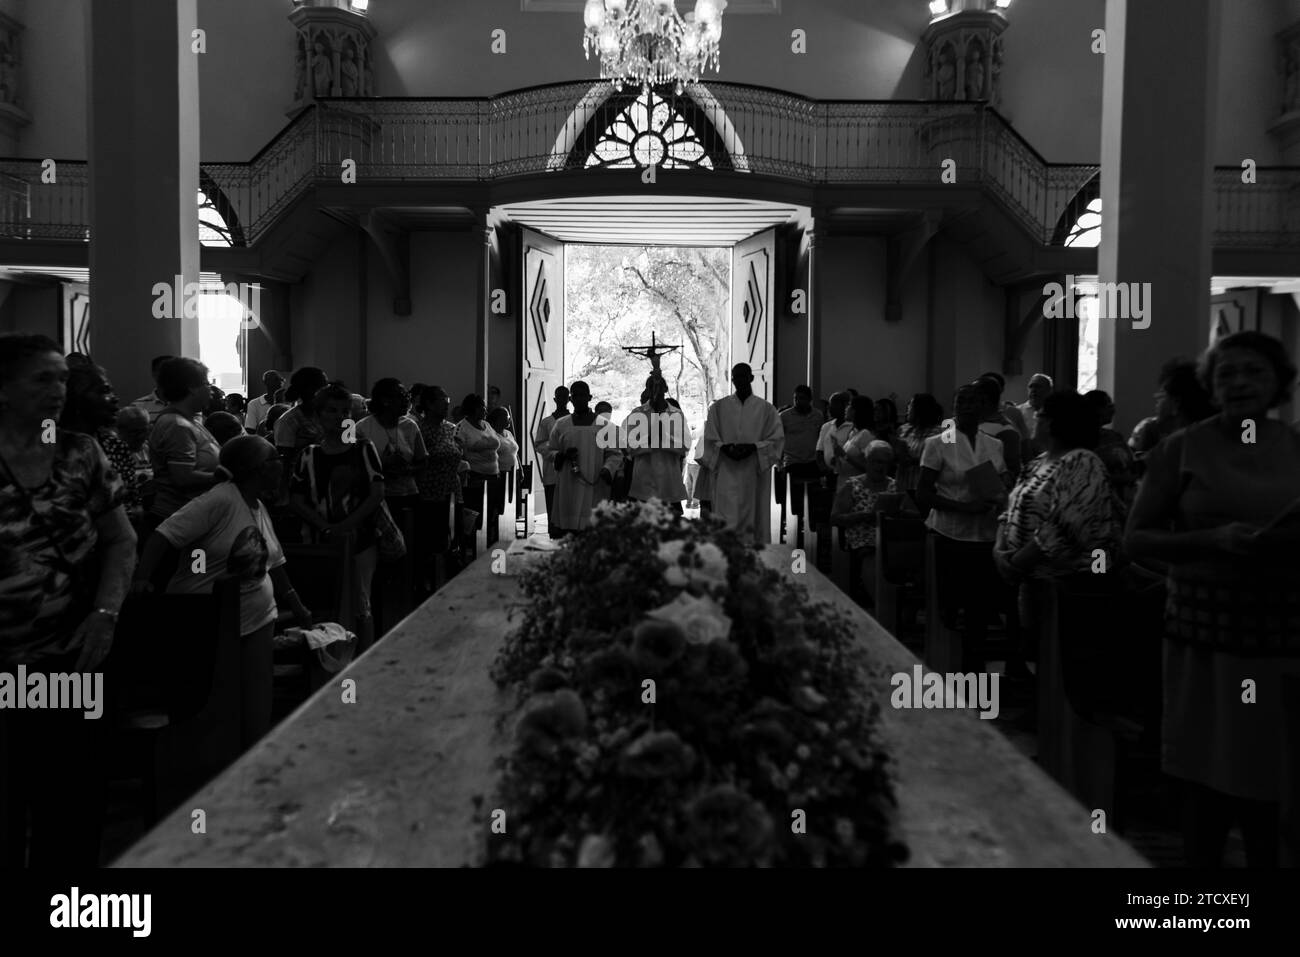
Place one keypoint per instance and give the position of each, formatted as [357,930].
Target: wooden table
[391,780]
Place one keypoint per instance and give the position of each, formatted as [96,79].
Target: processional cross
[652,352]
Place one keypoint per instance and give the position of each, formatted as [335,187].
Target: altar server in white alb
[584,470]
[657,439]
[743,439]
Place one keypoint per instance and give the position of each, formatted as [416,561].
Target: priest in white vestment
[743,439]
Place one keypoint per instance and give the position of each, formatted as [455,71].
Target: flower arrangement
[684,705]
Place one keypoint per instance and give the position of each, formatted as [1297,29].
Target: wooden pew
[943,646]
[900,565]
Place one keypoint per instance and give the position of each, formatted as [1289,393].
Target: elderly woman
[60,517]
[858,500]
[1232,633]
[337,489]
[1059,513]
[133,430]
[231,527]
[184,453]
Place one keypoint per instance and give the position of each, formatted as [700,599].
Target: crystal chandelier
[648,43]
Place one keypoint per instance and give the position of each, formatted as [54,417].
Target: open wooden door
[753,269]
[541,350]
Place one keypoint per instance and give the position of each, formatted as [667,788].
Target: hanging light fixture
[647,43]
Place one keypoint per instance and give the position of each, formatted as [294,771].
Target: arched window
[635,129]
[218,223]
[1086,231]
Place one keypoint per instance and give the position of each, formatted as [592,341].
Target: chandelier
[648,43]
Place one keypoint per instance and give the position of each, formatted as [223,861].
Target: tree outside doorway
[618,295]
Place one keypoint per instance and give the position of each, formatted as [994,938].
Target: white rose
[596,851]
[702,620]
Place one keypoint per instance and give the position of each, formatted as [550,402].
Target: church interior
[355,217]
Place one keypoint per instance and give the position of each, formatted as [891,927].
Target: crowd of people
[99,499]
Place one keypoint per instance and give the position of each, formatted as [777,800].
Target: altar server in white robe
[584,472]
[656,437]
[743,439]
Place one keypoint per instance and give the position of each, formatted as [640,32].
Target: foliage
[617,295]
[759,710]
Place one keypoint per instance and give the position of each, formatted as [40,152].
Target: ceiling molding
[576,6]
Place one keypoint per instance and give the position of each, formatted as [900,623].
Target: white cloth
[841,433]
[507,452]
[742,490]
[577,495]
[255,414]
[952,460]
[325,633]
[657,443]
[542,446]
[859,439]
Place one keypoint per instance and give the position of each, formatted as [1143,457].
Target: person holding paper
[1232,618]
[956,471]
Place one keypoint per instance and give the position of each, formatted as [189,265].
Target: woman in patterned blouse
[1060,513]
[60,510]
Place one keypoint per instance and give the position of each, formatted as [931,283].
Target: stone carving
[964,61]
[9,82]
[349,75]
[322,71]
[333,55]
[975,75]
[300,71]
[947,75]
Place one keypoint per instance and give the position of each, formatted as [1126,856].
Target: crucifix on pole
[653,352]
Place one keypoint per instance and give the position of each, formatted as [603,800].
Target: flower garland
[684,705]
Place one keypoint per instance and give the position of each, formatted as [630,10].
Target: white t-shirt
[952,460]
[256,412]
[236,540]
[483,458]
[840,432]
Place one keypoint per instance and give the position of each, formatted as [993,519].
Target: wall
[32,309]
[856,50]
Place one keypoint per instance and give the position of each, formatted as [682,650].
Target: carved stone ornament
[332,55]
[964,57]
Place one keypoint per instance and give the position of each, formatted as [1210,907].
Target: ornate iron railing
[752,130]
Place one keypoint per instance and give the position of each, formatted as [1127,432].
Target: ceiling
[652,220]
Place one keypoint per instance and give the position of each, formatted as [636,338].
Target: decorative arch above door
[631,129]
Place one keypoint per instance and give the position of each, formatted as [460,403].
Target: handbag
[389,538]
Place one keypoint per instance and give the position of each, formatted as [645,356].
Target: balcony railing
[749,130]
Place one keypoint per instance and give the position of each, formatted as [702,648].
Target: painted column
[143,119]
[1158,213]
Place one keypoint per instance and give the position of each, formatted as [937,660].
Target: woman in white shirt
[498,421]
[851,457]
[481,444]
